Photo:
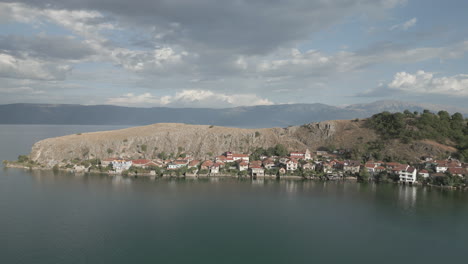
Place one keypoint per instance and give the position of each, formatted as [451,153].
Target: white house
[120,165]
[291,165]
[243,165]
[407,174]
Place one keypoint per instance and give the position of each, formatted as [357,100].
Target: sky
[218,53]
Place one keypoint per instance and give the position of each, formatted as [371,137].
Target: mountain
[249,116]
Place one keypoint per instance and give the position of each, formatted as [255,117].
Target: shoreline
[223,176]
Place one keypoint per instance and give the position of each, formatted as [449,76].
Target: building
[291,165]
[406,174]
[142,163]
[214,169]
[120,165]
[257,171]
[457,171]
[177,164]
[424,173]
[243,165]
[269,164]
[351,166]
[301,155]
[206,165]
[193,164]
[308,166]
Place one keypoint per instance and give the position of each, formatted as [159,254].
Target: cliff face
[204,141]
[199,140]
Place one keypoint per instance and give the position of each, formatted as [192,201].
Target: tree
[144,148]
[363,175]
[281,150]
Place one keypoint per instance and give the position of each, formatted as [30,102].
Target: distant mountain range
[247,117]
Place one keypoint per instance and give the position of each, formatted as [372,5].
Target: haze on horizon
[233,53]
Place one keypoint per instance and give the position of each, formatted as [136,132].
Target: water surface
[63,218]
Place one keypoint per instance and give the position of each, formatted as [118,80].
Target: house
[457,171]
[243,165]
[327,167]
[370,167]
[322,153]
[379,169]
[407,174]
[291,165]
[141,163]
[308,166]
[231,157]
[443,165]
[269,164]
[424,173]
[301,155]
[215,168]
[392,165]
[177,164]
[206,165]
[107,162]
[257,171]
[351,166]
[120,165]
[193,164]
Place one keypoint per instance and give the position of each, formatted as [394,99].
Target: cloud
[27,68]
[314,63]
[46,47]
[21,90]
[426,82]
[189,98]
[422,83]
[244,27]
[405,25]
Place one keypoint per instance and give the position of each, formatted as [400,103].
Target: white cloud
[405,25]
[426,83]
[190,98]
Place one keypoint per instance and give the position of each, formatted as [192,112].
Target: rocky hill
[203,141]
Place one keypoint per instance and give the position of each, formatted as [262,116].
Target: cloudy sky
[212,53]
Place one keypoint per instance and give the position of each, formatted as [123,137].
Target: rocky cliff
[203,141]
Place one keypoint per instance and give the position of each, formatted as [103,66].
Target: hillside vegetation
[408,127]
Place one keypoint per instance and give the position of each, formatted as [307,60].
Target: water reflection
[407,196]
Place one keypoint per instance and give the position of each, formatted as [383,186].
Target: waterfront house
[206,165]
[351,166]
[243,165]
[107,162]
[214,169]
[257,171]
[407,174]
[193,164]
[120,165]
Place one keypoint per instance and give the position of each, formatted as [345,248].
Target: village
[306,165]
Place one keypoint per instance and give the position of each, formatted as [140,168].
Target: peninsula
[402,146]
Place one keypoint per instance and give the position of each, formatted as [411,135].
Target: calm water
[47,218]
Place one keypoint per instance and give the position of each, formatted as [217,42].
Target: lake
[64,218]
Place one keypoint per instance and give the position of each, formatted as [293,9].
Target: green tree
[363,175]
